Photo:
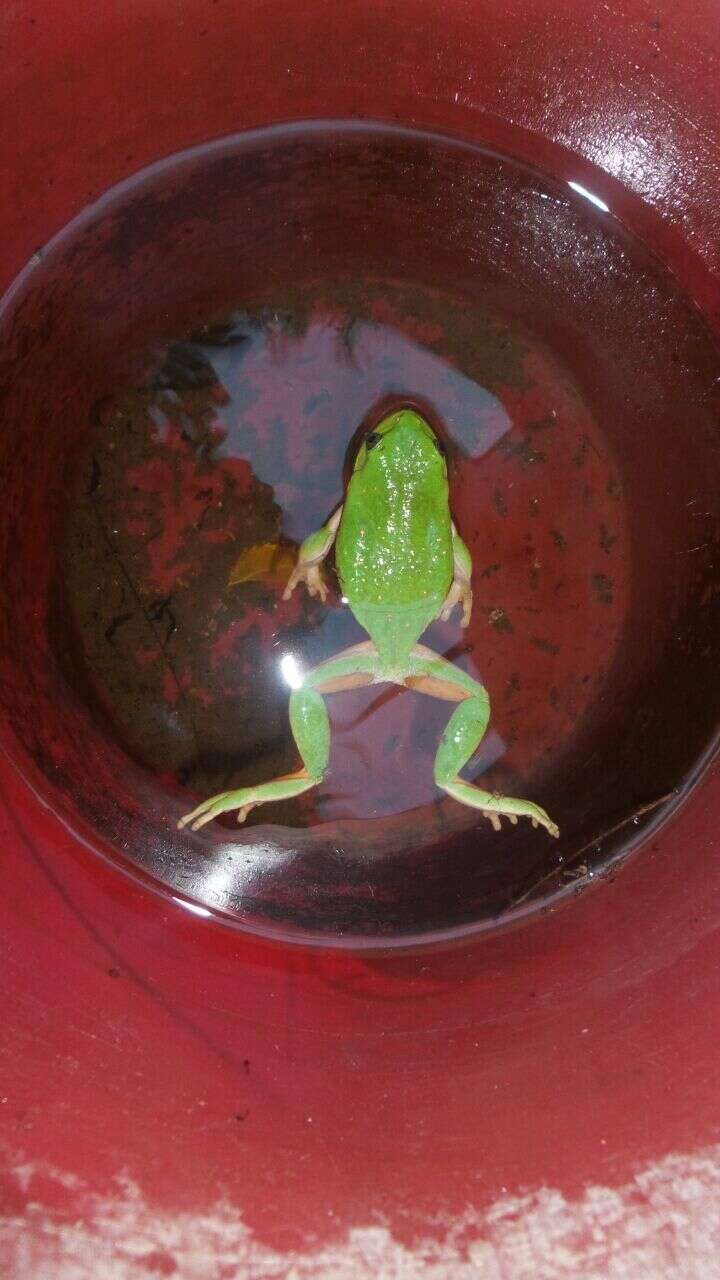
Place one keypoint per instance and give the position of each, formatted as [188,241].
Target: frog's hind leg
[310,726]
[465,729]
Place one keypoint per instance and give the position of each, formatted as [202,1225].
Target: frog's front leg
[465,729]
[310,556]
[460,589]
[310,726]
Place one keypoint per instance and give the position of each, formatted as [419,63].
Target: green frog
[401,563]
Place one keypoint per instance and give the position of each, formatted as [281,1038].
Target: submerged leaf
[268,561]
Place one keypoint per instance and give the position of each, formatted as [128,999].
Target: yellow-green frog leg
[311,730]
[463,734]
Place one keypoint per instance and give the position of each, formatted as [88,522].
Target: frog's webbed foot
[310,557]
[246,798]
[494,807]
[311,575]
[460,593]
[223,802]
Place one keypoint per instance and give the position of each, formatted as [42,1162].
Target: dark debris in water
[185,369]
[523,451]
[499,620]
[545,646]
[602,587]
[607,539]
[543,424]
[513,686]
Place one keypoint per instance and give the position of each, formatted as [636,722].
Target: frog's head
[404,440]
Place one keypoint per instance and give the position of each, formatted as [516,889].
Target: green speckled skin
[394,548]
[394,543]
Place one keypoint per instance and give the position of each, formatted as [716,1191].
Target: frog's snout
[412,422]
[406,433]
[408,427]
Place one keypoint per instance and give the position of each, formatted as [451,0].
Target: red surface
[317,1092]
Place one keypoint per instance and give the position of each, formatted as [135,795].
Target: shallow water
[182,481]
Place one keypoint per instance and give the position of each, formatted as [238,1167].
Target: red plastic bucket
[179,1098]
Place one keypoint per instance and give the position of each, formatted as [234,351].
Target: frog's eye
[372,439]
[441,448]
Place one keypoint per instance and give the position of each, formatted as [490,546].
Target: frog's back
[394,547]
[394,552]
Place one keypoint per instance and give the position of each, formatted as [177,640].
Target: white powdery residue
[23,1174]
[665,1222]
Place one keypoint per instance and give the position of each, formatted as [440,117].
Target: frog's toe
[195,814]
[213,812]
[541,819]
[215,806]
[316,584]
